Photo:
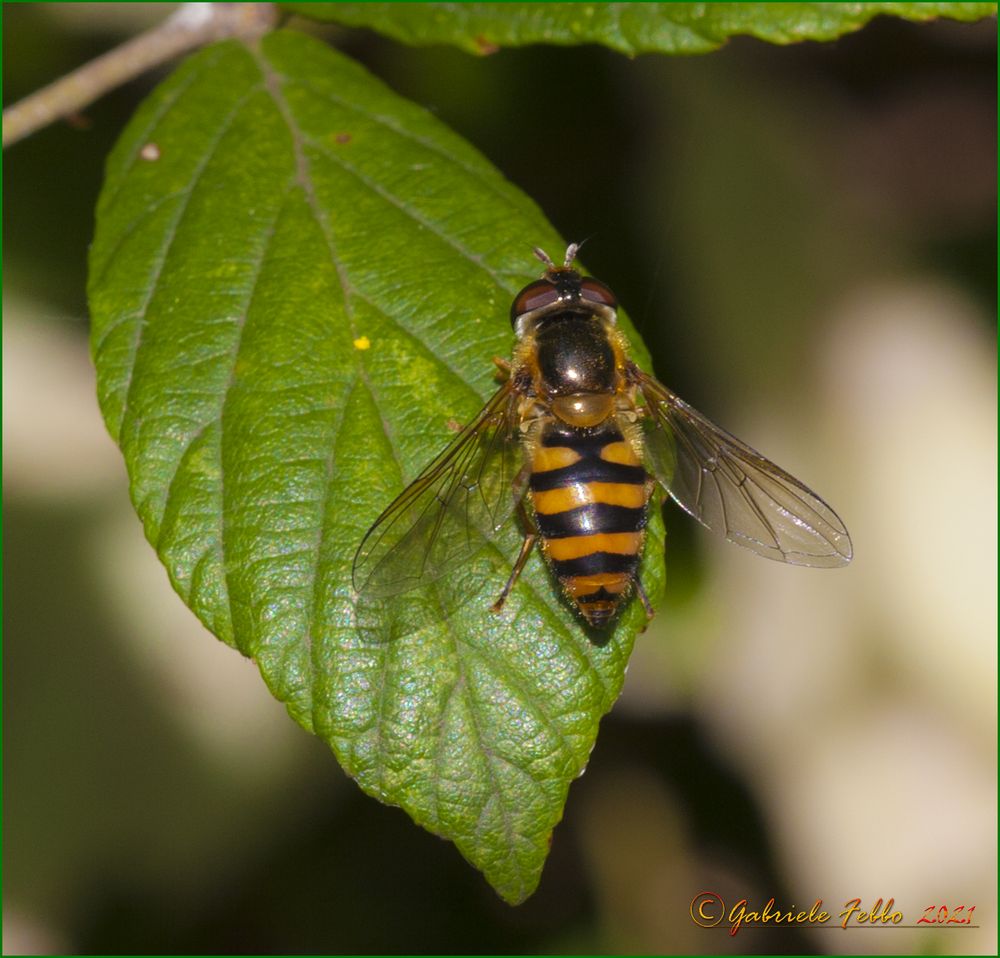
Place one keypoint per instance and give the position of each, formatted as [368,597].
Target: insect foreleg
[503,369]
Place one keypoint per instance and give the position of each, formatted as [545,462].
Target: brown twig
[191,26]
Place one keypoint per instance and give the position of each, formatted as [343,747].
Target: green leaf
[298,281]
[626,27]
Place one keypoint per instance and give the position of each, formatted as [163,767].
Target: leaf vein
[304,179]
[158,115]
[483,176]
[475,258]
[496,791]
[119,243]
[171,235]
[267,238]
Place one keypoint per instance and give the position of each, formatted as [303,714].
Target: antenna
[544,257]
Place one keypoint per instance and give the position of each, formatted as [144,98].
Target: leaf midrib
[273,84]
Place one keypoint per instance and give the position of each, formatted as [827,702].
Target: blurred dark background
[806,238]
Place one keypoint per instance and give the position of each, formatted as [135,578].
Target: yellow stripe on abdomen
[627,543]
[553,457]
[584,493]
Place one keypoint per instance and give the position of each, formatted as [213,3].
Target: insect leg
[518,488]
[530,536]
[641,592]
[503,368]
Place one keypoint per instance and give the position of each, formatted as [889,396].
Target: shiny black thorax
[574,355]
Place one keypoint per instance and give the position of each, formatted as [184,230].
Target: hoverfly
[574,441]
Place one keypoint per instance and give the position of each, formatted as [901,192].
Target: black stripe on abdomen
[591,518]
[586,444]
[595,564]
[601,595]
[588,469]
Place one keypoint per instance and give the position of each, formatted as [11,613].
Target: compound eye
[534,296]
[594,291]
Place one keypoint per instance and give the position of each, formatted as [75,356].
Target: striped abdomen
[590,496]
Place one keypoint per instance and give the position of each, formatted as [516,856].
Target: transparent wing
[450,511]
[732,489]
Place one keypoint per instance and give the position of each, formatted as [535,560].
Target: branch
[192,26]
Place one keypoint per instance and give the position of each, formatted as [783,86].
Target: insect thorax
[575,356]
